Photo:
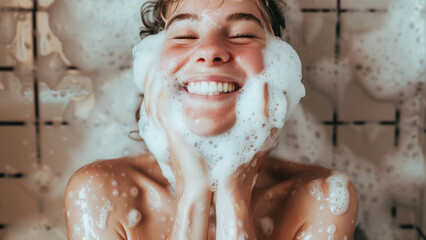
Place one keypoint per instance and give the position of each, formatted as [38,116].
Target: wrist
[233,215]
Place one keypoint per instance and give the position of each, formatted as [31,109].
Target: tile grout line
[36,96]
[35,83]
[337,43]
[336,59]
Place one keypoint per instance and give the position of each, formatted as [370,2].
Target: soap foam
[251,133]
[338,196]
[133,218]
[103,217]
[315,189]
[306,234]
[331,229]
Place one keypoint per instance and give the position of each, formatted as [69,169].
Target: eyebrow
[181,17]
[231,17]
[243,16]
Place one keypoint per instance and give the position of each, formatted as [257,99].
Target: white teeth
[225,87]
[219,87]
[204,87]
[210,88]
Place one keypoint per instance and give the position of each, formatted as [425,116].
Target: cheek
[251,61]
[172,60]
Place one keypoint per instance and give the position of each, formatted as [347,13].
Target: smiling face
[211,48]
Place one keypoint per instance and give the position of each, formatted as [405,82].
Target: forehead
[217,7]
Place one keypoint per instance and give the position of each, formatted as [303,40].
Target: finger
[266,100]
[151,92]
[147,91]
[159,113]
[161,107]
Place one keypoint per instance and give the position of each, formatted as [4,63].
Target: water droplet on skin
[331,229]
[114,183]
[134,191]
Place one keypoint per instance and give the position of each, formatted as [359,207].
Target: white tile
[424,141]
[406,215]
[361,22]
[27,4]
[317,4]
[58,143]
[16,99]
[422,217]
[47,42]
[358,105]
[365,4]
[59,147]
[44,3]
[17,148]
[353,24]
[56,94]
[16,201]
[314,40]
[317,104]
[6,58]
[16,38]
[370,141]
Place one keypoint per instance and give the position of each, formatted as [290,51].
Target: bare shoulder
[307,202]
[110,199]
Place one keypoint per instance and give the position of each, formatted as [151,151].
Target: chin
[210,127]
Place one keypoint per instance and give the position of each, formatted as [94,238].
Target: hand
[190,172]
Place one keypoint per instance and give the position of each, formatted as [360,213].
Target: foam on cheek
[251,133]
[146,57]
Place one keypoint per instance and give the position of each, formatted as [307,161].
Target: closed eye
[185,37]
[243,36]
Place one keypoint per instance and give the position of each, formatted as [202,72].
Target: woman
[129,198]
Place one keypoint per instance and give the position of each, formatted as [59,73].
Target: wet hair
[153,15]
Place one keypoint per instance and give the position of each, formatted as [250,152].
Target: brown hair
[153,15]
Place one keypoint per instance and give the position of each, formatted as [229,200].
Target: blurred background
[67,98]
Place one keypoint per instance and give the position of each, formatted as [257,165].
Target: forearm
[233,213]
[192,215]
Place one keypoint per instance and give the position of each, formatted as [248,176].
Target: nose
[211,52]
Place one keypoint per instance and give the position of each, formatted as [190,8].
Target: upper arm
[89,208]
[335,215]
[325,207]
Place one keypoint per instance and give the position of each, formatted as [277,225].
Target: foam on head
[251,133]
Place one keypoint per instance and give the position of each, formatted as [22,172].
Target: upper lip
[212,78]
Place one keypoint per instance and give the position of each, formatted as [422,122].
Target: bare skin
[129,198]
[281,194]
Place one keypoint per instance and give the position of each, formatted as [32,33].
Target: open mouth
[211,88]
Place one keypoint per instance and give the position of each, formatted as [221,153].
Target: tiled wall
[29,126]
